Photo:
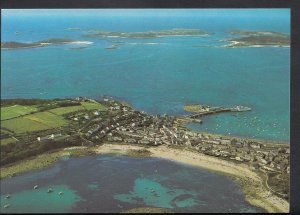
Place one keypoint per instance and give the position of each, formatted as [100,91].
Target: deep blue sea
[156,75]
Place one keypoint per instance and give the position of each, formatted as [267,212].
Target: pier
[206,110]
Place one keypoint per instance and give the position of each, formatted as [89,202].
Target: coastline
[252,184]
[258,140]
[249,181]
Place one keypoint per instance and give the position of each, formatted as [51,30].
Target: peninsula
[36,133]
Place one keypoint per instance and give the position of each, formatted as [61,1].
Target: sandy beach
[250,182]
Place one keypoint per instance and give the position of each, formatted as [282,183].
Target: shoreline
[250,182]
[258,140]
[255,194]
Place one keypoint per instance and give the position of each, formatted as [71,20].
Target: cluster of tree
[10,102]
[58,104]
[4,135]
[41,102]
[68,103]
[17,151]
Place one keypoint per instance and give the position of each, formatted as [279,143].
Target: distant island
[51,41]
[252,39]
[246,39]
[258,39]
[147,34]
[40,132]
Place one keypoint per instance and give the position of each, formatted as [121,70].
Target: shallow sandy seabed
[250,182]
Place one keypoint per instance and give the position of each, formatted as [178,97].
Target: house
[144,141]
[214,142]
[262,161]
[117,139]
[237,143]
[130,140]
[255,145]
[225,142]
[238,158]
[268,168]
[246,157]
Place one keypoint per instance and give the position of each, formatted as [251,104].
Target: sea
[158,76]
[116,183]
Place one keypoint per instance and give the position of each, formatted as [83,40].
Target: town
[117,122]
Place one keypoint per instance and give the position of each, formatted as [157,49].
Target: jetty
[200,110]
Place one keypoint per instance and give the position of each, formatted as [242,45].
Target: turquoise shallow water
[113,183]
[158,78]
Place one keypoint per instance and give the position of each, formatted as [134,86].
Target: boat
[35,187]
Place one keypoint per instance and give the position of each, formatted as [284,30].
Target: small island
[36,133]
[147,34]
[258,39]
[42,43]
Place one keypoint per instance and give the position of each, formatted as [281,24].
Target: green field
[47,118]
[34,122]
[93,106]
[84,106]
[15,111]
[12,119]
[65,110]
[21,124]
[7,141]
